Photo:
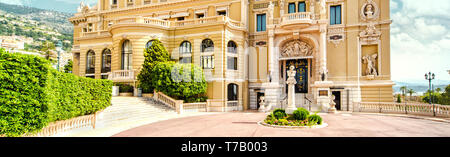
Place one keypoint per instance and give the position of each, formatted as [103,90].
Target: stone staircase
[124,109]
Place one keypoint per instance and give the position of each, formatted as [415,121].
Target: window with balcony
[301,7]
[291,8]
[127,55]
[261,22]
[335,15]
[90,62]
[147,1]
[185,52]
[106,61]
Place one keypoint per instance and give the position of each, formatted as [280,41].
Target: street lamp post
[430,76]
[58,48]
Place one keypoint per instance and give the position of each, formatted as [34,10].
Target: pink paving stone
[241,124]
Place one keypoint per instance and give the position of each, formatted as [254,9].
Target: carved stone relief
[296,48]
[369,11]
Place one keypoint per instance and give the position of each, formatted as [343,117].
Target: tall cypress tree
[154,54]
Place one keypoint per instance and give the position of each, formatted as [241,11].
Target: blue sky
[420,35]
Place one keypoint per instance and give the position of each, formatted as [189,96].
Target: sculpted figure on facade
[296,48]
[324,74]
[371,33]
[291,75]
[370,61]
[369,11]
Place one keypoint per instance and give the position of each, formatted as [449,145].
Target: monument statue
[262,104]
[324,74]
[332,108]
[291,90]
[370,60]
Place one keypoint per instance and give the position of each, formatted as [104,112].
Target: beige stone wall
[342,58]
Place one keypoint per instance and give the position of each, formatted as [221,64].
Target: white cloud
[420,39]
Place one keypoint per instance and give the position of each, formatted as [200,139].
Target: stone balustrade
[122,76]
[179,106]
[295,20]
[418,109]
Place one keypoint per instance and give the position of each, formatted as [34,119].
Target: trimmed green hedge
[181,86]
[34,94]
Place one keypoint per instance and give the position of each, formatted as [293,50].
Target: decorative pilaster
[323,46]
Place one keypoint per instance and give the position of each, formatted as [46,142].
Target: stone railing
[419,109]
[65,125]
[296,19]
[158,22]
[232,106]
[297,16]
[177,105]
[122,76]
[195,107]
[184,23]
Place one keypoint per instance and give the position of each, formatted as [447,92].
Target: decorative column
[291,90]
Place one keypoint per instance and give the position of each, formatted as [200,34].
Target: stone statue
[370,60]
[262,104]
[324,74]
[291,90]
[332,108]
[369,11]
[291,75]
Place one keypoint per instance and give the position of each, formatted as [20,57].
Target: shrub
[315,118]
[125,88]
[300,114]
[33,94]
[279,113]
[180,81]
[154,54]
[399,100]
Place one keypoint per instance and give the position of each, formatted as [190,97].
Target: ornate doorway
[302,69]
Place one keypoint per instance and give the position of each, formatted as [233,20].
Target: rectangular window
[335,15]
[208,62]
[180,19]
[232,63]
[301,7]
[201,15]
[114,2]
[291,8]
[261,22]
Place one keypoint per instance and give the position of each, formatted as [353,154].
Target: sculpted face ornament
[369,10]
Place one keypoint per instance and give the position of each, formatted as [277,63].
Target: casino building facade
[246,46]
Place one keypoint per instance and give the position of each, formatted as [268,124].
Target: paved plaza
[339,125]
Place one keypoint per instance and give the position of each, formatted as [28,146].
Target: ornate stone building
[338,47]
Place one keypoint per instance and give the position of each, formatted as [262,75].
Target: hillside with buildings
[26,28]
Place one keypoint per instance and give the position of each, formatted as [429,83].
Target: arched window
[207,60]
[232,47]
[185,52]
[90,62]
[149,43]
[232,60]
[207,45]
[233,92]
[106,61]
[127,55]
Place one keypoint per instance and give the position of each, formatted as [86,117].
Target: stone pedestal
[323,94]
[291,90]
[332,108]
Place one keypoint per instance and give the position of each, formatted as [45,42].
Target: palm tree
[438,90]
[403,89]
[411,92]
[47,50]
